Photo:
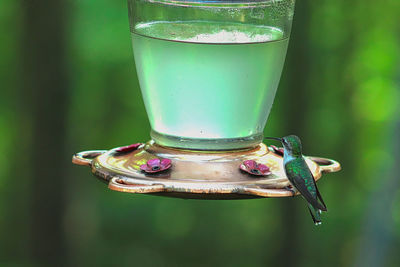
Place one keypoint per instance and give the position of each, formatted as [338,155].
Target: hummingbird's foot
[291,189]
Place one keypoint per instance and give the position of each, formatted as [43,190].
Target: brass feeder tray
[196,174]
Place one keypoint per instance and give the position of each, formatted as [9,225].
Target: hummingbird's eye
[286,143]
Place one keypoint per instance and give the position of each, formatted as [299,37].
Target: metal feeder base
[196,174]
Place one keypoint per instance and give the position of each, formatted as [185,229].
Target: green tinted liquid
[208,81]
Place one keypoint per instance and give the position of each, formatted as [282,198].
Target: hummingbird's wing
[318,193]
[302,179]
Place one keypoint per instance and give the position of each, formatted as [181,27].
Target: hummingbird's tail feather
[315,214]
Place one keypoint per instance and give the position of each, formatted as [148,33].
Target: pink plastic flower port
[156,165]
[130,148]
[277,150]
[254,168]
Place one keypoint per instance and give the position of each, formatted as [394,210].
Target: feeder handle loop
[121,185]
[268,192]
[85,157]
[327,165]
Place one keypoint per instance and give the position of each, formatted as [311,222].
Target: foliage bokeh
[339,92]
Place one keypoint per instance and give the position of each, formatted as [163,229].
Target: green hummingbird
[300,176]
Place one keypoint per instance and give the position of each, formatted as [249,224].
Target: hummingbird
[300,176]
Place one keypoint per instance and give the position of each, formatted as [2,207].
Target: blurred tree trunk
[45,102]
[296,105]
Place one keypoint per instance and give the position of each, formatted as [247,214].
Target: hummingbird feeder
[208,72]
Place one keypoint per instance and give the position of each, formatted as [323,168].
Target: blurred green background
[69,84]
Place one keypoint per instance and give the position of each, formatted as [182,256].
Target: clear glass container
[209,70]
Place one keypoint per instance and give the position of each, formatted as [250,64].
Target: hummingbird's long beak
[274,138]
